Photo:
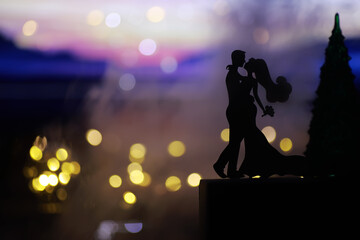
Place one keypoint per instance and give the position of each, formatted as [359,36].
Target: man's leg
[235,140]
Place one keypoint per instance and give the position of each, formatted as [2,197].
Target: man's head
[238,58]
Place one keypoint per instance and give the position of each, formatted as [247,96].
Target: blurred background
[112,111]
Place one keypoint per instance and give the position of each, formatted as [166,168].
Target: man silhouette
[234,116]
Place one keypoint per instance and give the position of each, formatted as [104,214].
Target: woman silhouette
[260,157]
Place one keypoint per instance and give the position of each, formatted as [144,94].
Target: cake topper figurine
[260,157]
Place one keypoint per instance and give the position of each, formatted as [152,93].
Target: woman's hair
[275,92]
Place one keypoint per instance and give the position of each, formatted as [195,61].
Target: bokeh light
[155,14]
[127,82]
[53,180]
[53,164]
[286,144]
[129,197]
[37,186]
[168,64]
[35,153]
[75,167]
[136,177]
[261,35]
[64,178]
[225,134]
[269,133]
[147,180]
[30,172]
[61,194]
[62,154]
[67,167]
[134,227]
[176,148]
[147,47]
[115,181]
[173,183]
[44,180]
[194,179]
[40,142]
[29,28]
[113,20]
[95,17]
[137,152]
[93,137]
[134,166]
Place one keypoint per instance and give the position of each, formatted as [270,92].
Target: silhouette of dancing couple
[260,157]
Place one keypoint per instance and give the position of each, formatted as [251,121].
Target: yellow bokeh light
[269,133]
[134,166]
[64,178]
[75,167]
[137,160]
[53,180]
[173,183]
[36,153]
[94,137]
[194,179]
[95,18]
[115,181]
[155,14]
[49,189]
[136,177]
[30,172]
[62,154]
[137,152]
[37,186]
[61,194]
[225,134]
[44,180]
[129,198]
[286,144]
[147,180]
[67,167]
[29,28]
[176,148]
[53,164]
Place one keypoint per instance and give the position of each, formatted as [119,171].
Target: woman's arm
[268,110]
[256,95]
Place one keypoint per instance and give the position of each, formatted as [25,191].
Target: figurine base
[276,207]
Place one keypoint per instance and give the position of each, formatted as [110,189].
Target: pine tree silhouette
[334,132]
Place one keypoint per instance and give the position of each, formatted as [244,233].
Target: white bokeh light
[168,64]
[147,47]
[127,82]
[113,20]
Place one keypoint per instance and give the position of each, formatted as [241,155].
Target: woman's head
[250,65]
[238,58]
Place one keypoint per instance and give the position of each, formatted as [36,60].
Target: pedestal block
[277,207]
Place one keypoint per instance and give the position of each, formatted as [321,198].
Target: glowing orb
[147,47]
